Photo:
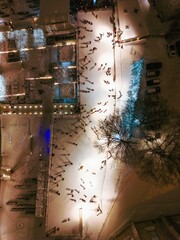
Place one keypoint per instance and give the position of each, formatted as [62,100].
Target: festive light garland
[21,38]
[2,88]
[128,121]
[39,38]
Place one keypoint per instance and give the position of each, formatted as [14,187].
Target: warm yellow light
[71,67]
[46,77]
[41,47]
[88,213]
[82,211]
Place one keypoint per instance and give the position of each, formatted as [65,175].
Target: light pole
[81,222]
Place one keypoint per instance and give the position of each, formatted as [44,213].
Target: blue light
[39,38]
[65,64]
[117,137]
[10,35]
[21,37]
[136,122]
[48,150]
[2,37]
[47,136]
[128,113]
[2,88]
[94,2]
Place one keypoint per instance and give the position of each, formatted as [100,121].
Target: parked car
[153,82]
[171,50]
[153,65]
[153,90]
[152,73]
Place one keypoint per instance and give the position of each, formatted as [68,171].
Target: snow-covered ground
[88,186]
[83,184]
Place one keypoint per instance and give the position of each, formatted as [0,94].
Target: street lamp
[80,222]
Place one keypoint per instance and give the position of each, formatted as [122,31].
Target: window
[153,235]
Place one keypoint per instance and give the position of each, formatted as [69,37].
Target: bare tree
[159,158]
[156,154]
[113,137]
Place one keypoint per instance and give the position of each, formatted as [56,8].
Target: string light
[39,38]
[128,113]
[2,88]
